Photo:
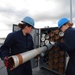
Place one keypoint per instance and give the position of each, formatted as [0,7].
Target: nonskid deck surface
[38,71]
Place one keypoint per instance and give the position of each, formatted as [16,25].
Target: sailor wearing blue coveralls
[69,43]
[19,42]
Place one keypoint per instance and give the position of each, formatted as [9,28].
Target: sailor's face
[63,28]
[29,29]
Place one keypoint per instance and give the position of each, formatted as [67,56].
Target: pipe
[71,11]
[19,59]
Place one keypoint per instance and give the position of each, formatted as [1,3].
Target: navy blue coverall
[16,43]
[69,47]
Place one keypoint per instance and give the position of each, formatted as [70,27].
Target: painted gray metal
[3,70]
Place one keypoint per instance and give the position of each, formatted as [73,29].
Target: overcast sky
[44,12]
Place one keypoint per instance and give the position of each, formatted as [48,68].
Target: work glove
[6,61]
[55,44]
[52,43]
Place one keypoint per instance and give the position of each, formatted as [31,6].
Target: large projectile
[19,59]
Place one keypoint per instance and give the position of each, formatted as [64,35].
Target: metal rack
[54,59]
